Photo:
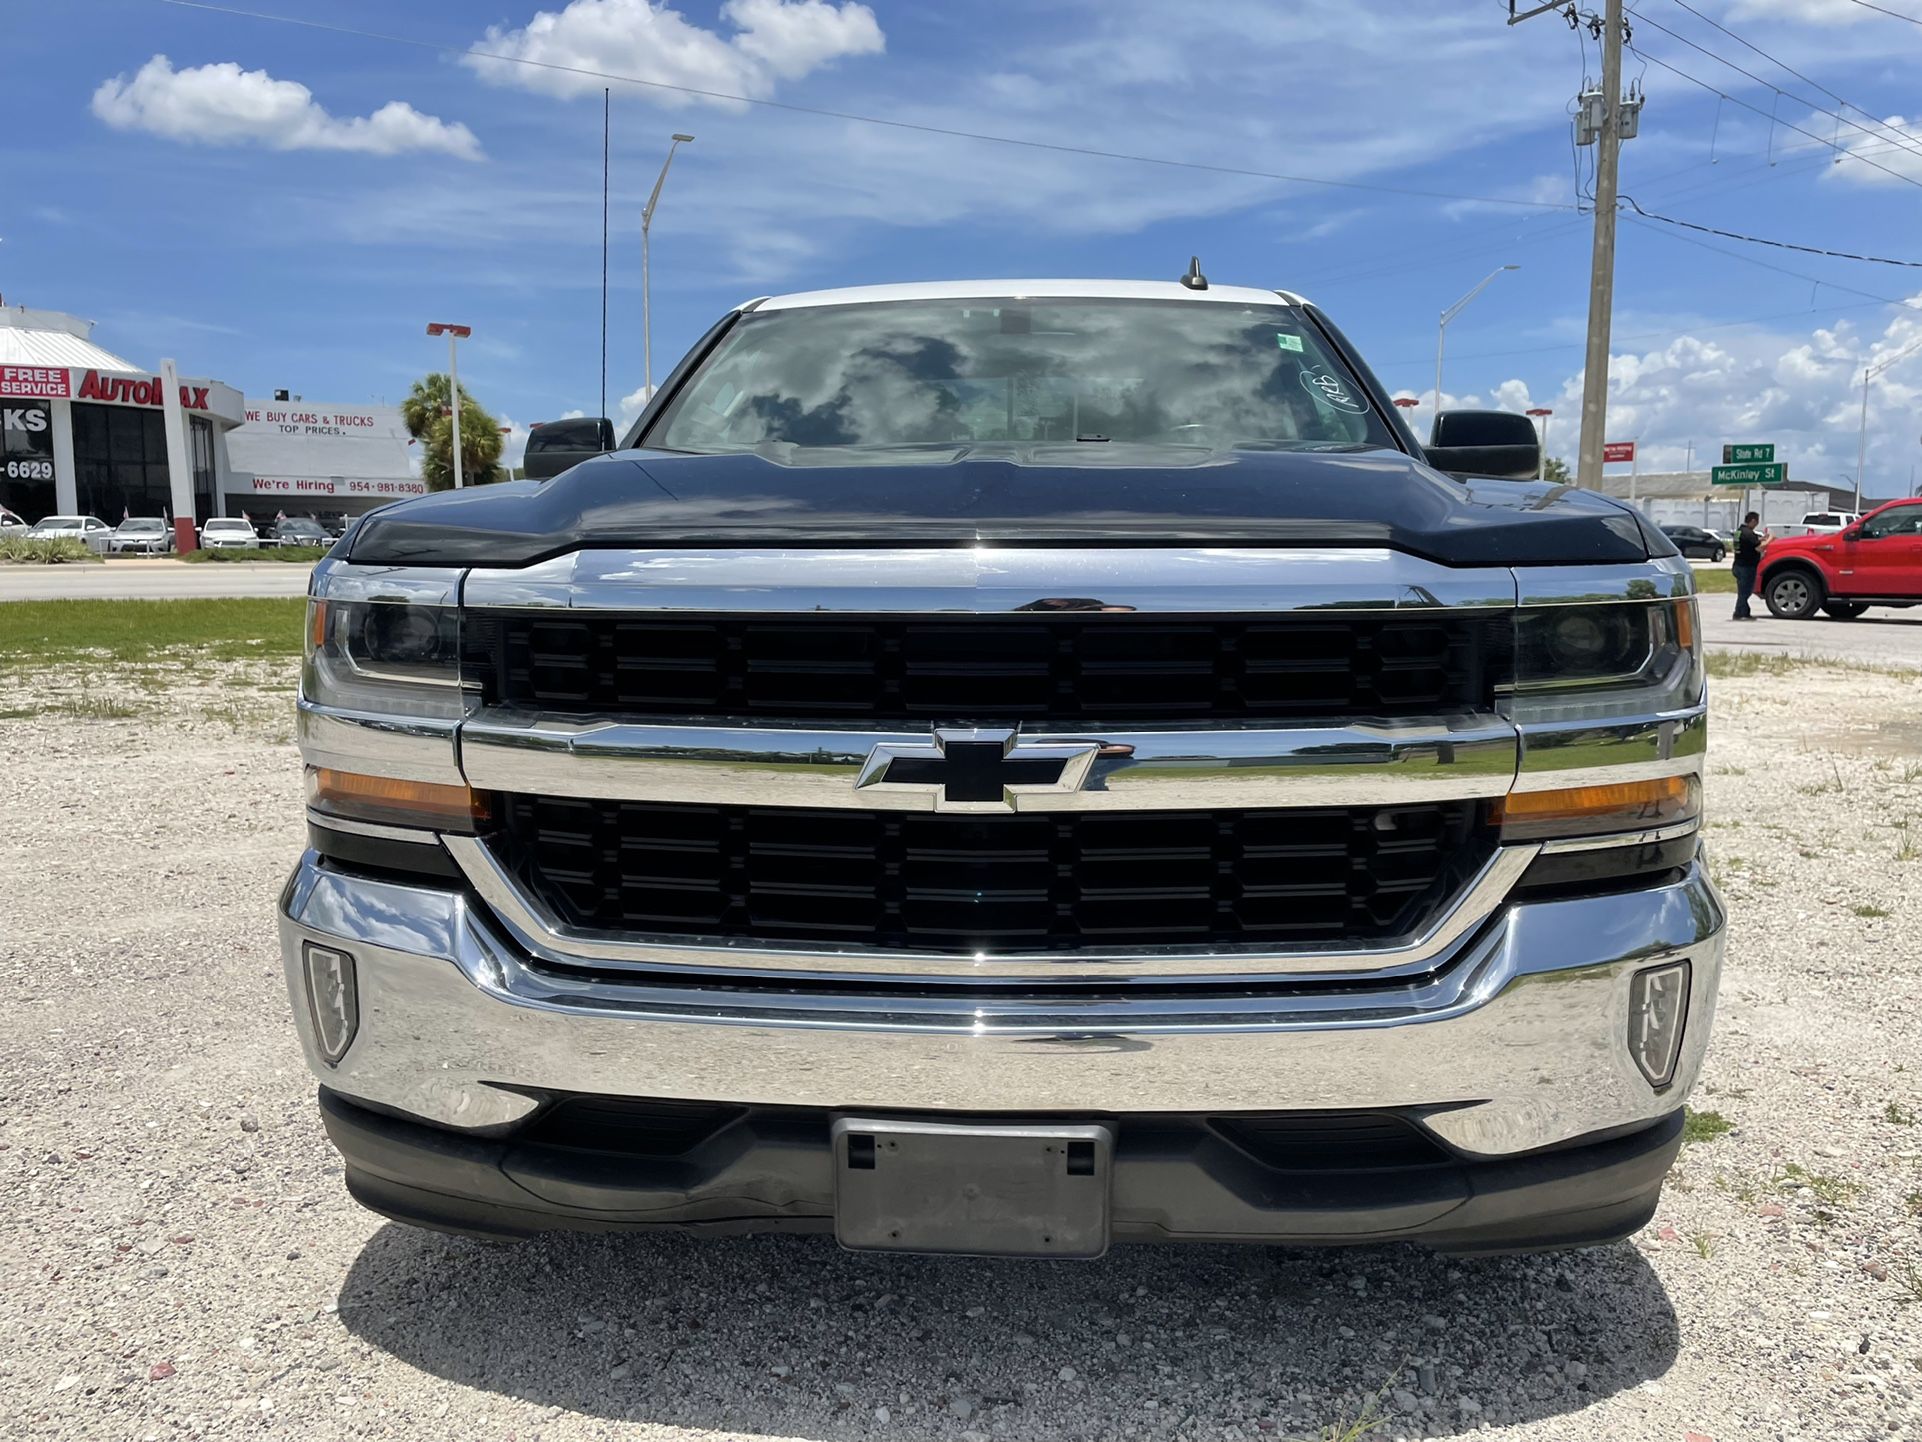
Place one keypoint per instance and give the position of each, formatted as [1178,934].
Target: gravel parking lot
[181,1261]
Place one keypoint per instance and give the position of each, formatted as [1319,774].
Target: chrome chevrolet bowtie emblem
[974,769]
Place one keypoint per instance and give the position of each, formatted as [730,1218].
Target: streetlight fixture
[1541,471]
[1441,331]
[647,312]
[1869,373]
[453,333]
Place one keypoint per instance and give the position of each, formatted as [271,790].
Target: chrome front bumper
[1517,1038]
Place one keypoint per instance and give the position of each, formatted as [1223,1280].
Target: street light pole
[1541,471]
[453,333]
[647,307]
[1862,436]
[1441,331]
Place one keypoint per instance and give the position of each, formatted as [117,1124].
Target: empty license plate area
[1000,1191]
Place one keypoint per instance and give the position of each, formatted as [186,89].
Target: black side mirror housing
[1500,444]
[565,444]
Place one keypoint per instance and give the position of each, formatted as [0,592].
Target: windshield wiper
[1091,438]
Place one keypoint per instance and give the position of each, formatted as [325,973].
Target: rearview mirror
[1501,444]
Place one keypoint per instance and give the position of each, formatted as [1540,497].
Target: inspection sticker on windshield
[1332,391]
[1288,342]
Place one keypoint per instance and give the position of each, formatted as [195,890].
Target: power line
[1053,147]
[1839,118]
[1778,61]
[1778,269]
[1759,240]
[1737,100]
[1892,14]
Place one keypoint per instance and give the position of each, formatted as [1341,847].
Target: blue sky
[204,205]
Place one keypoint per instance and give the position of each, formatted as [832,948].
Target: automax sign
[60,383]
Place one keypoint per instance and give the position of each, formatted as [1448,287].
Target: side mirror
[556,446]
[1501,444]
[1852,533]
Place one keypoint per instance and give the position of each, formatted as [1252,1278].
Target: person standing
[1748,559]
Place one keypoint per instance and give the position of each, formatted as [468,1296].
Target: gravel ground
[180,1260]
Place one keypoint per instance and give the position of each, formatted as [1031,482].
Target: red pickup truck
[1877,561]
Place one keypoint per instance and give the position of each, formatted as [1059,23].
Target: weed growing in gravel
[1703,1242]
[1912,771]
[1893,1112]
[1867,910]
[1913,1201]
[1908,1277]
[1828,785]
[93,708]
[1837,1191]
[1731,771]
[1704,1126]
[1365,1423]
[1908,850]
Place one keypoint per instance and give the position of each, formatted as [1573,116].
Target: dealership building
[88,433]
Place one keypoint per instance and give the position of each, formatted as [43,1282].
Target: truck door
[1883,555]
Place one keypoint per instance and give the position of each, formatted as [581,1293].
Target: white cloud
[772,40]
[1896,160]
[1686,398]
[225,105]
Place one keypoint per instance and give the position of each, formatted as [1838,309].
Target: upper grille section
[1106,667]
[1009,884]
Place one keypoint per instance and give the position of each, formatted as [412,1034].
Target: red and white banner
[1613,451]
[47,382]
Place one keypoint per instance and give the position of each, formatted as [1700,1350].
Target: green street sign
[1772,474]
[1743,455]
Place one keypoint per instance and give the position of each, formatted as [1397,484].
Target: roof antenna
[1194,279]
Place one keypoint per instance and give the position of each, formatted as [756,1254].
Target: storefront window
[26,470]
[200,435]
[120,462]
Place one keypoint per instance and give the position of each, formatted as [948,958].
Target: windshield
[223,526]
[302,528]
[141,525]
[946,373]
[58,523]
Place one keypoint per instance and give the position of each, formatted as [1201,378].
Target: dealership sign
[1614,452]
[61,383]
[336,486]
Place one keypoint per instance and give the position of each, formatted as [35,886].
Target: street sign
[1613,451]
[1745,455]
[1771,474]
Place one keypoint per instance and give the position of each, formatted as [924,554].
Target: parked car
[229,534]
[91,530]
[141,536]
[1817,523]
[11,525]
[1693,541]
[1876,561]
[301,531]
[1140,792]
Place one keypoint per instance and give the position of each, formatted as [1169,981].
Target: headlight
[385,644]
[1606,661]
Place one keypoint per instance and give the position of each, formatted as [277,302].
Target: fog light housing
[1657,1012]
[333,1000]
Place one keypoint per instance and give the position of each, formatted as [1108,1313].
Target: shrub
[308,554]
[59,551]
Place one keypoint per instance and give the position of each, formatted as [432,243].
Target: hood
[1085,494]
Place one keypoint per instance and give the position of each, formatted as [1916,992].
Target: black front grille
[959,883]
[1009,667]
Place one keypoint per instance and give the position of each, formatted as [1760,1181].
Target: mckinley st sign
[1772,473]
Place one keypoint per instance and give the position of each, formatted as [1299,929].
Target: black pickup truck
[1005,767]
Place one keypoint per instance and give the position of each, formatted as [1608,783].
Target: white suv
[223,535]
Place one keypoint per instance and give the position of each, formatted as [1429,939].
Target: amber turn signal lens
[316,625]
[393,802]
[1685,624]
[1596,810]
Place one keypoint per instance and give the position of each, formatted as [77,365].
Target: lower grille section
[957,883]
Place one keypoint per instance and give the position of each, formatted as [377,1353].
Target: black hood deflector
[1090,494]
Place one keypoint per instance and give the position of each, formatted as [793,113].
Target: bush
[60,551]
[308,554]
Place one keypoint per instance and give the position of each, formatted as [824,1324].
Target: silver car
[141,536]
[90,530]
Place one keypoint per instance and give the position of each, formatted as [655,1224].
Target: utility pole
[1604,120]
[1601,268]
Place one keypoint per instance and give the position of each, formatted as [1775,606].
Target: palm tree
[428,420]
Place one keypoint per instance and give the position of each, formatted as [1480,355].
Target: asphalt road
[152,581]
[1881,636]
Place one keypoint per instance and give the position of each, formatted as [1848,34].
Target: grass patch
[57,551]
[1703,1242]
[1714,583]
[1836,1191]
[301,555]
[48,632]
[1899,1114]
[1704,1126]
[1908,850]
[1867,910]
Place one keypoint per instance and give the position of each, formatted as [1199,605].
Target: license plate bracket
[1014,1190]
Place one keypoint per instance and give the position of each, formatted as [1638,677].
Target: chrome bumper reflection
[1519,1043]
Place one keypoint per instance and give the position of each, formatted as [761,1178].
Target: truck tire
[1844,610]
[1794,594]
[1717,554]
